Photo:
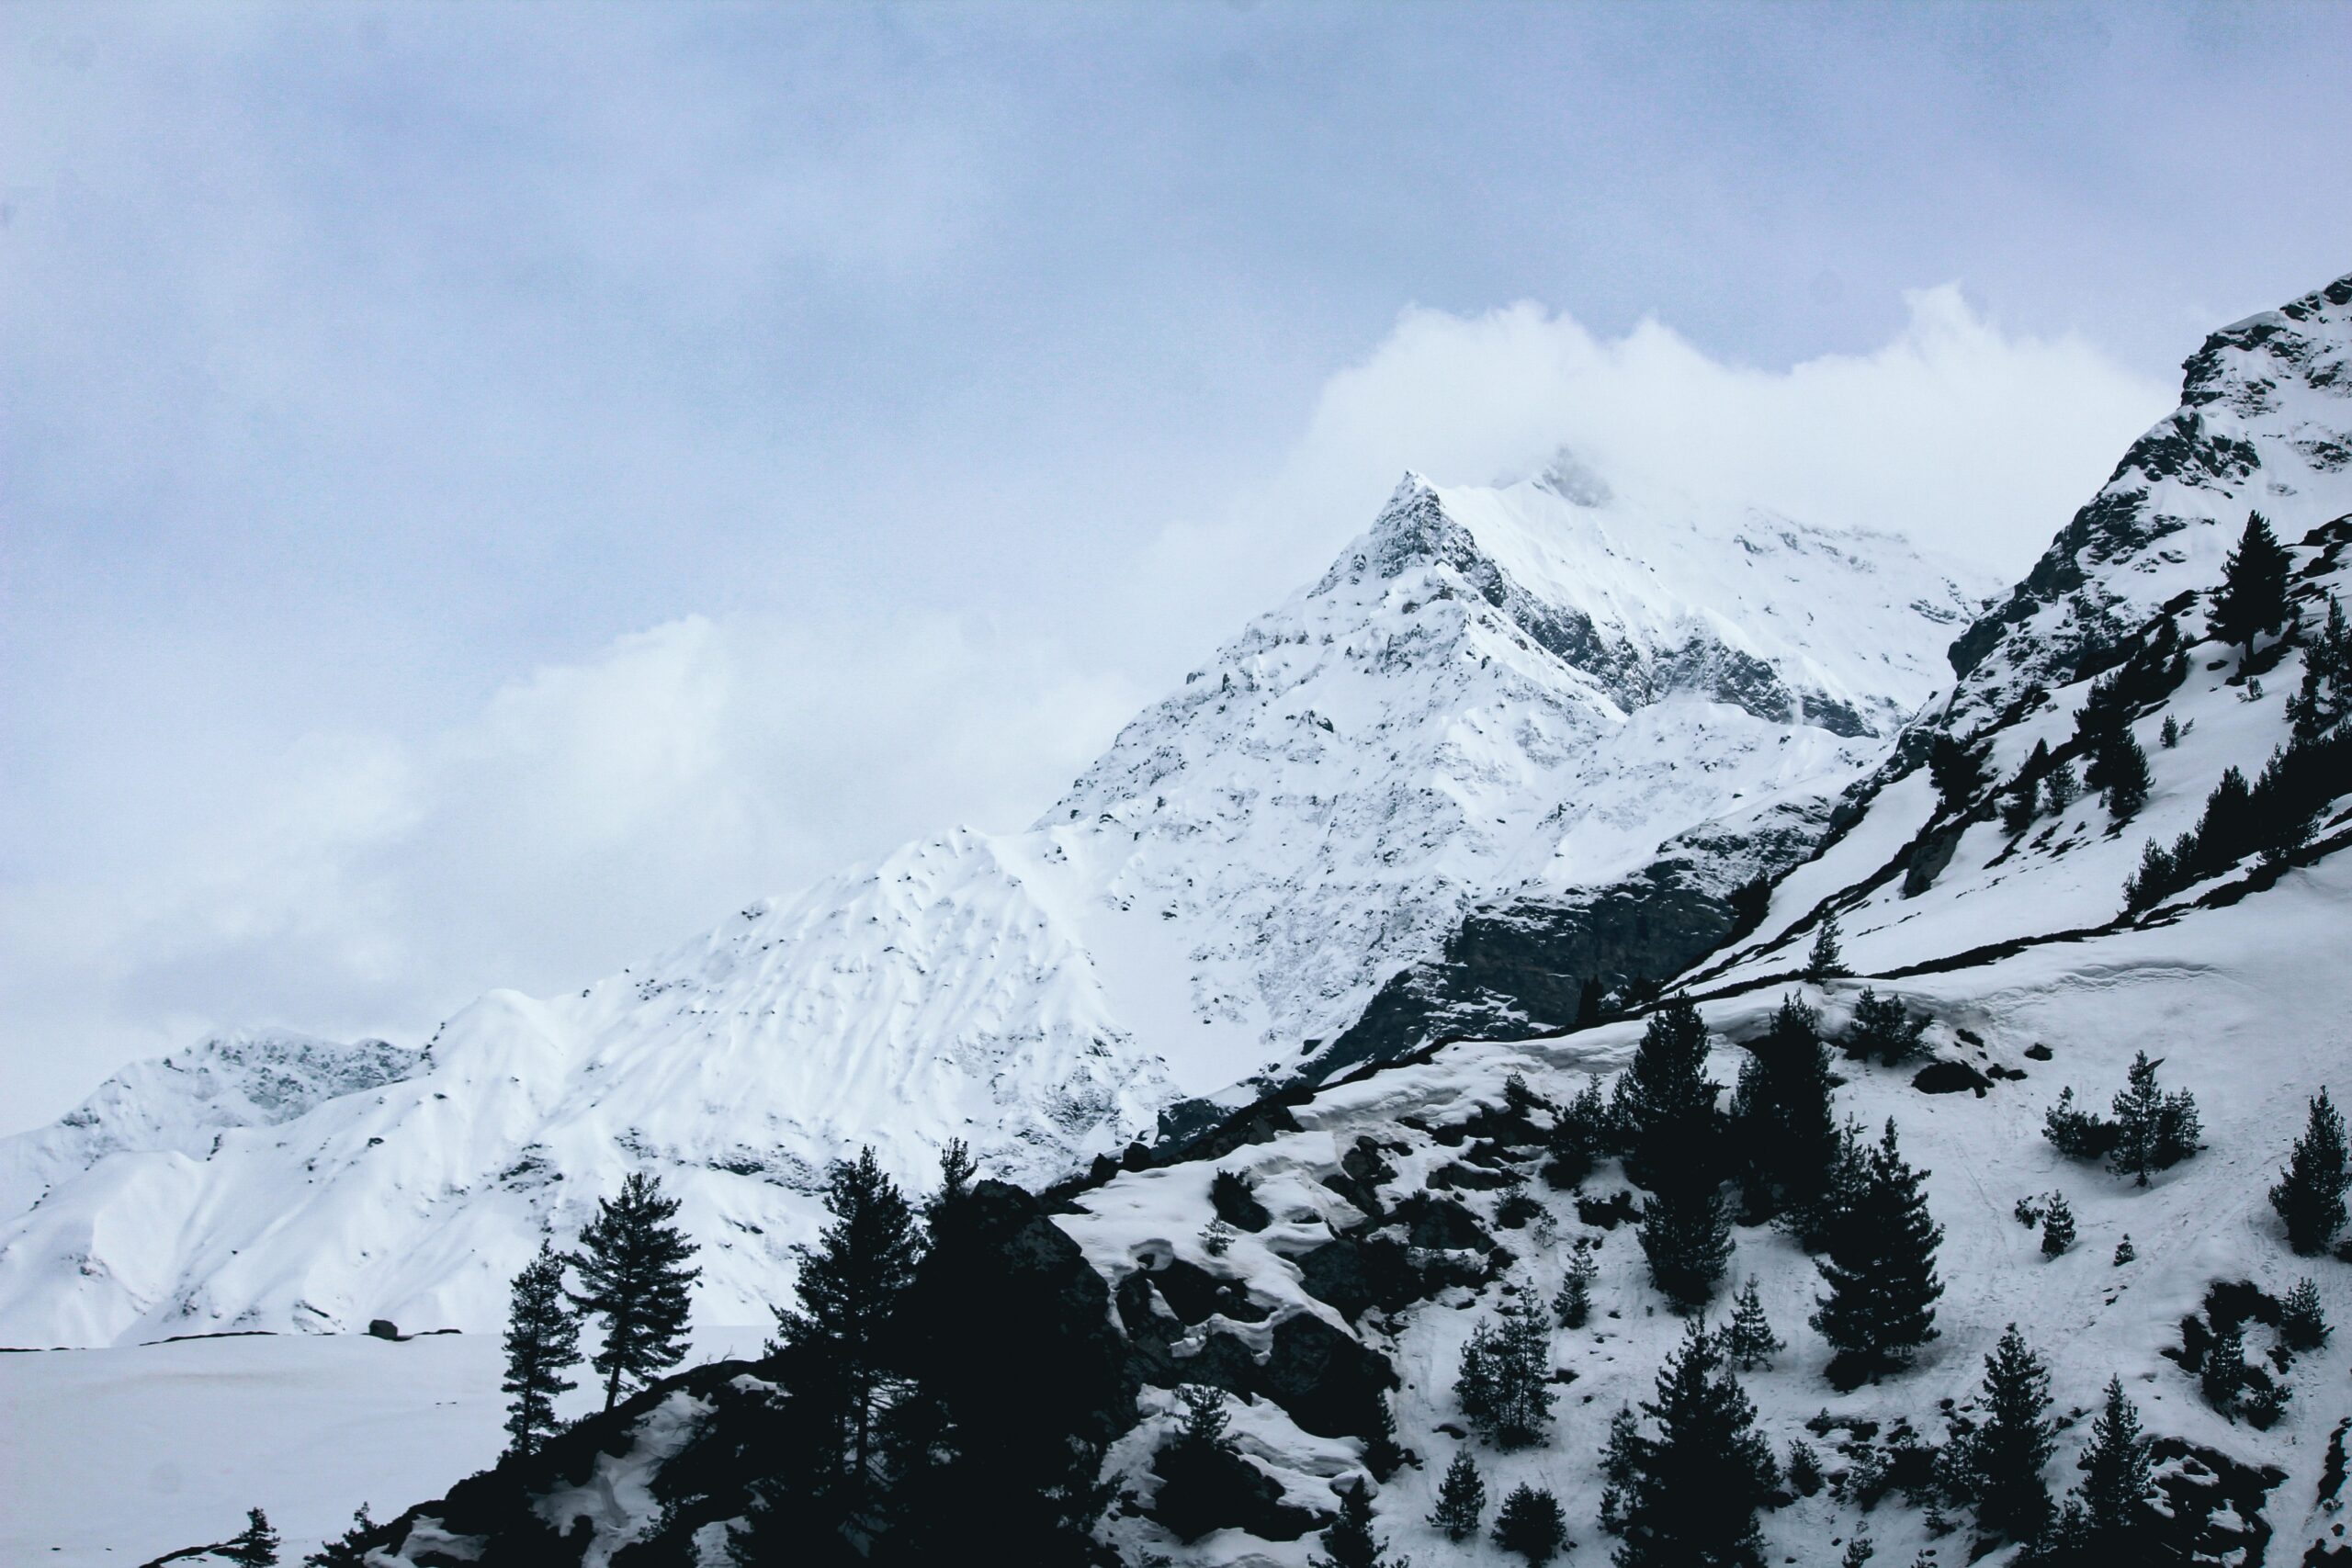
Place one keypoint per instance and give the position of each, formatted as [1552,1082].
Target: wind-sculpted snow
[1494,696]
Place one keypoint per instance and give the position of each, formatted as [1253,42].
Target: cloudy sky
[485,490]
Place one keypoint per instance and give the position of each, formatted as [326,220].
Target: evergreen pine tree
[2285,815]
[2075,1133]
[2021,806]
[2004,1458]
[632,1264]
[2158,878]
[1826,960]
[2125,1251]
[2170,735]
[2252,598]
[1474,1379]
[1349,1543]
[2062,788]
[350,1548]
[1582,1131]
[2309,1193]
[1685,1236]
[255,1545]
[1780,1114]
[1881,1267]
[2139,1111]
[1859,1551]
[2057,1226]
[1197,1466]
[1842,1192]
[2326,693]
[2113,1495]
[1665,1112]
[956,1169]
[1532,1524]
[1749,1342]
[2302,1324]
[542,1343]
[1956,770]
[2223,1374]
[1803,1467]
[1461,1498]
[1694,1491]
[2123,775]
[1665,1109]
[1882,1030]
[1620,1460]
[2178,1129]
[850,1285]
[1574,1303]
[1505,1383]
[2227,830]
[1012,1354]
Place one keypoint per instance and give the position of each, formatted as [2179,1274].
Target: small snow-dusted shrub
[1532,1524]
[2302,1326]
[1883,1031]
[1803,1467]
[1461,1499]
[2057,1226]
[1574,1301]
[2075,1133]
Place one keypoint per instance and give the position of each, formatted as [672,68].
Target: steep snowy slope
[1493,694]
[2264,425]
[1429,1161]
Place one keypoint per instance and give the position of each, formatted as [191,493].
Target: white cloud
[1974,442]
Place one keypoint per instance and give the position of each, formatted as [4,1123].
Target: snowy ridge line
[1908,757]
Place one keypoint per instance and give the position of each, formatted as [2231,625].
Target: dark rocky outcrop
[1521,968]
[1206,1487]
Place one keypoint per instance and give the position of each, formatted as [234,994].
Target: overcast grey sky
[483,490]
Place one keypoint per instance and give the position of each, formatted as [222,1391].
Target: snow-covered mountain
[186,1102]
[2265,426]
[1398,1210]
[1494,697]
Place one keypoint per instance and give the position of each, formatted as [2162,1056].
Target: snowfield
[112,1456]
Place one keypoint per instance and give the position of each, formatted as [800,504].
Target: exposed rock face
[1521,968]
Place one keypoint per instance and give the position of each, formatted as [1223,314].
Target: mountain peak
[2265,424]
[1494,693]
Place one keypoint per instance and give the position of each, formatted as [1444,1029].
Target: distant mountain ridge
[1493,694]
